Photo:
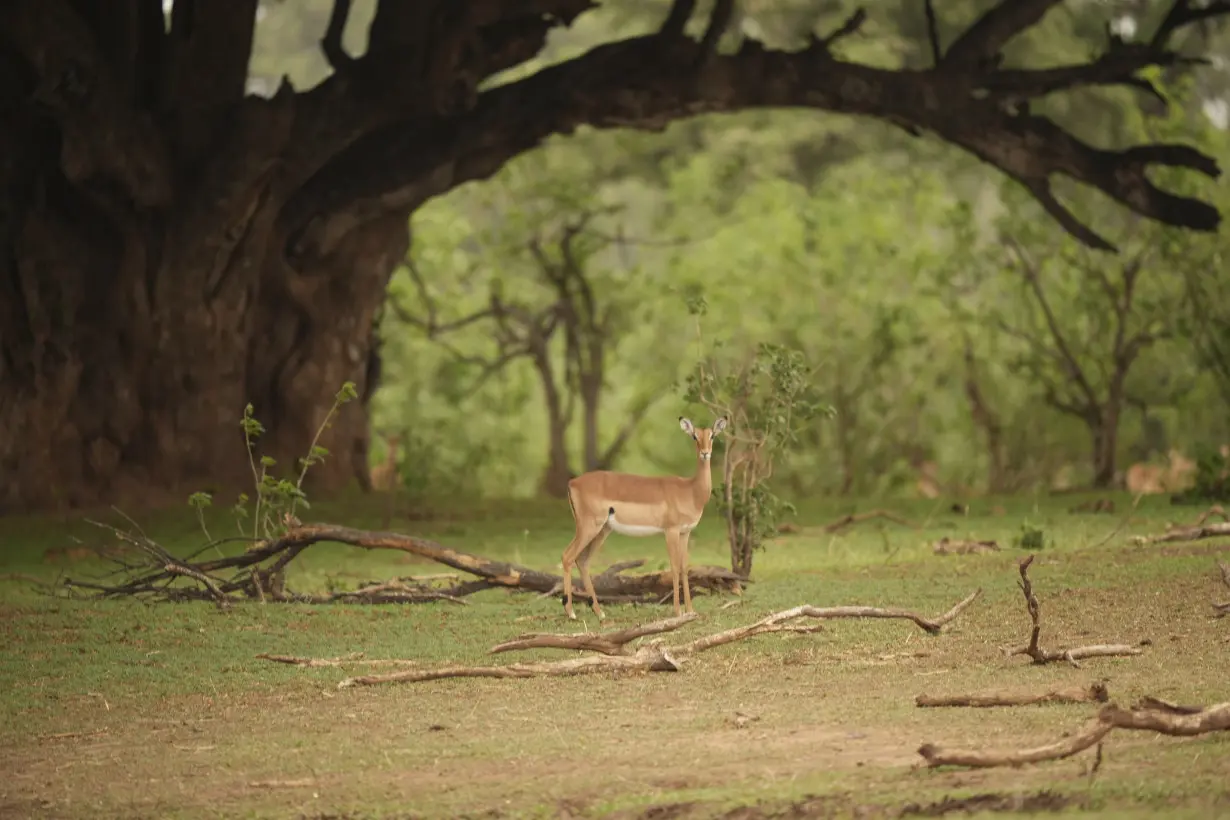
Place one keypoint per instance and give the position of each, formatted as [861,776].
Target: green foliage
[1030,537]
[1212,482]
[880,260]
[277,499]
[766,394]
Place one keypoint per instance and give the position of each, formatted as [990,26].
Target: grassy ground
[126,709]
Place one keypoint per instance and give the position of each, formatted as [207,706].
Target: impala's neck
[702,482]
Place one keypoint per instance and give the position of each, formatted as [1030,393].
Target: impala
[638,505]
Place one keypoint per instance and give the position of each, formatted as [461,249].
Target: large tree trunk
[134,337]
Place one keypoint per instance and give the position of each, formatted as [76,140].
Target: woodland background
[901,270]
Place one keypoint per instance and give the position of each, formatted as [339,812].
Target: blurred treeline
[541,324]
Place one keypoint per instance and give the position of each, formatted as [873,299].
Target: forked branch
[1072,656]
[615,655]
[1149,715]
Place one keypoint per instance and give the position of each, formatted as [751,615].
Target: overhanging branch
[636,83]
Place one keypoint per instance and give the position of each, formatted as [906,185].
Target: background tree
[173,246]
[564,289]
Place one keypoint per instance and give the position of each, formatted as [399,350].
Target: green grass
[171,715]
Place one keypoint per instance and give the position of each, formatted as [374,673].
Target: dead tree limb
[344,660]
[1093,693]
[960,546]
[1144,716]
[859,518]
[1196,532]
[607,643]
[259,573]
[652,657]
[1073,655]
[1223,610]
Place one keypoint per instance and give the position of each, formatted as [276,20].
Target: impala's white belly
[639,530]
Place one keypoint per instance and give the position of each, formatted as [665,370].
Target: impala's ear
[719,426]
[687,426]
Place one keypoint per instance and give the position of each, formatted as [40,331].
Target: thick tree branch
[677,18]
[718,21]
[933,33]
[636,83]
[331,42]
[988,35]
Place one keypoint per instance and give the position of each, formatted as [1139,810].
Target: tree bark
[109,393]
[1104,434]
[133,337]
[591,400]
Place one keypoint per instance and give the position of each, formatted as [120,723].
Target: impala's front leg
[672,551]
[684,538]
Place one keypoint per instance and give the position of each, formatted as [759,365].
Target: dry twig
[958,546]
[1123,522]
[859,518]
[1041,656]
[355,658]
[652,657]
[1093,693]
[1143,716]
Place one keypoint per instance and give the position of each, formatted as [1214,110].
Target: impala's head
[704,436]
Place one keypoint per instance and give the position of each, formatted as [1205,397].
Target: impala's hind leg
[583,565]
[587,530]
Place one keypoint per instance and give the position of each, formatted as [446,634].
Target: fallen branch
[653,657]
[1223,610]
[1093,693]
[608,643]
[1144,716]
[1072,656]
[859,518]
[1198,531]
[353,658]
[259,573]
[959,546]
